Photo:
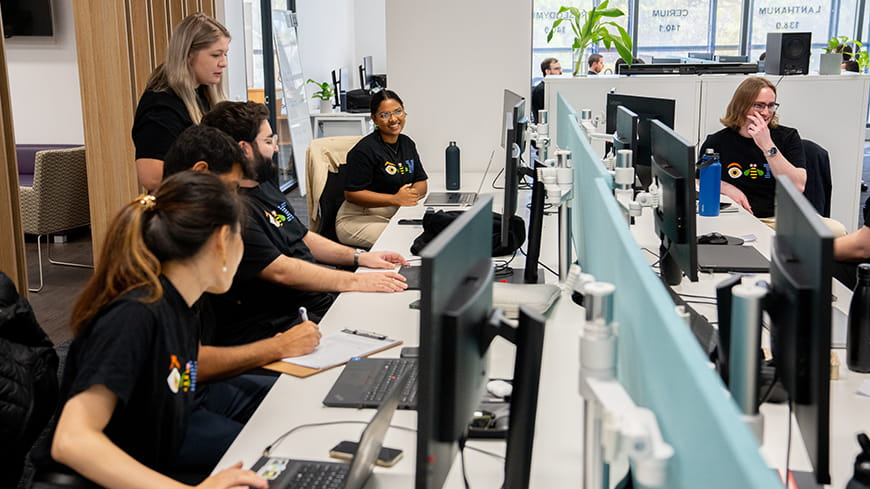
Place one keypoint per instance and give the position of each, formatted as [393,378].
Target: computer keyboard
[328,475]
[391,371]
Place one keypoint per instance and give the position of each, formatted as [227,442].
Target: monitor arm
[613,424]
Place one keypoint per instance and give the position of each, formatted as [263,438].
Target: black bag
[435,222]
[359,101]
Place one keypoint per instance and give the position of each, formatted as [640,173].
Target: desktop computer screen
[673,168]
[800,311]
[647,109]
[457,325]
[625,136]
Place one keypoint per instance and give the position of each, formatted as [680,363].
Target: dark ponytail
[173,224]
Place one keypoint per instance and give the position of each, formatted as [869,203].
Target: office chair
[323,163]
[818,187]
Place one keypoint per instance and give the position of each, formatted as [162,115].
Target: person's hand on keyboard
[379,282]
[381,259]
[299,340]
[234,477]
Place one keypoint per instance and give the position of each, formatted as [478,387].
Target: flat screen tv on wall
[26,18]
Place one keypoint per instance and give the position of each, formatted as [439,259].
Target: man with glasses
[549,66]
[753,148]
[281,267]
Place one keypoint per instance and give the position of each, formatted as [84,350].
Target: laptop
[364,382]
[285,473]
[457,199]
[726,258]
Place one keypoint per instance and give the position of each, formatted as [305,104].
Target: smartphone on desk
[346,449]
[411,222]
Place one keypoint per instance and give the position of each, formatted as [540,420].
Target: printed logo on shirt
[391,168]
[177,379]
[276,219]
[735,171]
[399,168]
[754,173]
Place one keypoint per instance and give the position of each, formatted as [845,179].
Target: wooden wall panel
[12,258]
[139,26]
[161,28]
[176,10]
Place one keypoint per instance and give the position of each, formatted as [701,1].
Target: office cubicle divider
[660,363]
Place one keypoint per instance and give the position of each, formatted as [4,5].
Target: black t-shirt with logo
[160,118]
[146,354]
[745,166]
[254,308]
[381,167]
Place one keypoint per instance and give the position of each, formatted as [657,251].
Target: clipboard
[335,349]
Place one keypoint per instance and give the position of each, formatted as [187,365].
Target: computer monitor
[336,86]
[647,109]
[625,136]
[673,169]
[731,59]
[511,99]
[664,61]
[800,311]
[705,56]
[365,73]
[457,325]
[515,135]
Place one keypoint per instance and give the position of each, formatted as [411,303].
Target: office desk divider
[659,363]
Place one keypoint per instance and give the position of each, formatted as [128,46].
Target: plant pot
[326,106]
[830,63]
[579,62]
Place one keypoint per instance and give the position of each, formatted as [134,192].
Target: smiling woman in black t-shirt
[131,373]
[383,173]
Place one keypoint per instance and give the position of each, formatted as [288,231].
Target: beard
[264,168]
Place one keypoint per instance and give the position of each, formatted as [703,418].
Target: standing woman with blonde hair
[180,90]
[130,381]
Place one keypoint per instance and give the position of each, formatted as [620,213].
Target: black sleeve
[358,170]
[259,249]
[793,150]
[115,350]
[537,99]
[419,172]
[156,130]
[867,212]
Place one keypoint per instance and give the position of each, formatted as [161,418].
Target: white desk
[340,124]
[848,411]
[294,401]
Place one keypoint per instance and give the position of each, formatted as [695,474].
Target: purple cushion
[26,155]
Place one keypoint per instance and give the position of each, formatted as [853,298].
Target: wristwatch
[771,152]
[356,255]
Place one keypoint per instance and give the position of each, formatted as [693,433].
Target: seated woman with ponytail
[130,382]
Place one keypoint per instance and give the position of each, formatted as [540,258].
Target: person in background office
[131,377]
[204,148]
[851,66]
[620,62]
[549,66]
[851,250]
[384,172]
[179,92]
[753,147]
[596,64]
[280,269]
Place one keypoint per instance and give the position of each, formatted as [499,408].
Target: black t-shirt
[160,118]
[537,100]
[380,167]
[254,308]
[745,166]
[146,354]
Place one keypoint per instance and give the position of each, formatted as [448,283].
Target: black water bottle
[858,335]
[452,170]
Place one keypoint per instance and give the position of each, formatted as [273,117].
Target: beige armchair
[57,201]
[325,181]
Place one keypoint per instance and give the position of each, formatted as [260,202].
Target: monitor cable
[545,267]
[788,443]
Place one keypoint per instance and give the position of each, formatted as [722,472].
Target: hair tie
[148,202]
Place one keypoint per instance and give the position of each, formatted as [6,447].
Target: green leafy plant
[325,92]
[590,27]
[837,41]
[863,59]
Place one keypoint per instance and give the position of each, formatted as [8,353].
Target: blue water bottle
[711,182]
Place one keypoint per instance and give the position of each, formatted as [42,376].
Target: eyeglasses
[760,106]
[385,116]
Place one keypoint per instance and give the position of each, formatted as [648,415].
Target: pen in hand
[303,314]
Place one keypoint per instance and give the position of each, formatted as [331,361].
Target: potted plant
[831,61]
[590,27]
[325,95]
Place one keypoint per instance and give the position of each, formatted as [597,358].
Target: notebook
[286,473]
[725,258]
[364,381]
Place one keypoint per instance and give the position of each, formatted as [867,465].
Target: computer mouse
[499,388]
[713,239]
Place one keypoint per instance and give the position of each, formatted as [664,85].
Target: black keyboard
[319,476]
[391,371]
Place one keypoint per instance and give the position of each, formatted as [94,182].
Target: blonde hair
[742,100]
[196,32]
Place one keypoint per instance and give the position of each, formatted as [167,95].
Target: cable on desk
[788,442]
[545,267]
[708,303]
[696,296]
[462,458]
[495,179]
[292,430]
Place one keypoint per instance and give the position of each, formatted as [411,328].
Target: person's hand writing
[736,195]
[381,259]
[234,478]
[379,282]
[406,196]
[299,340]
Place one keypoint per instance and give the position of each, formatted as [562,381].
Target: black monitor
[511,99]
[732,59]
[365,73]
[336,86]
[673,169]
[647,109]
[660,61]
[30,18]
[515,135]
[457,325]
[625,136]
[800,311]
[705,56]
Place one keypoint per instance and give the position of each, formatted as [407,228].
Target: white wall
[450,61]
[370,35]
[44,84]
[326,38]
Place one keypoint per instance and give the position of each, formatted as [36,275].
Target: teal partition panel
[659,361]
